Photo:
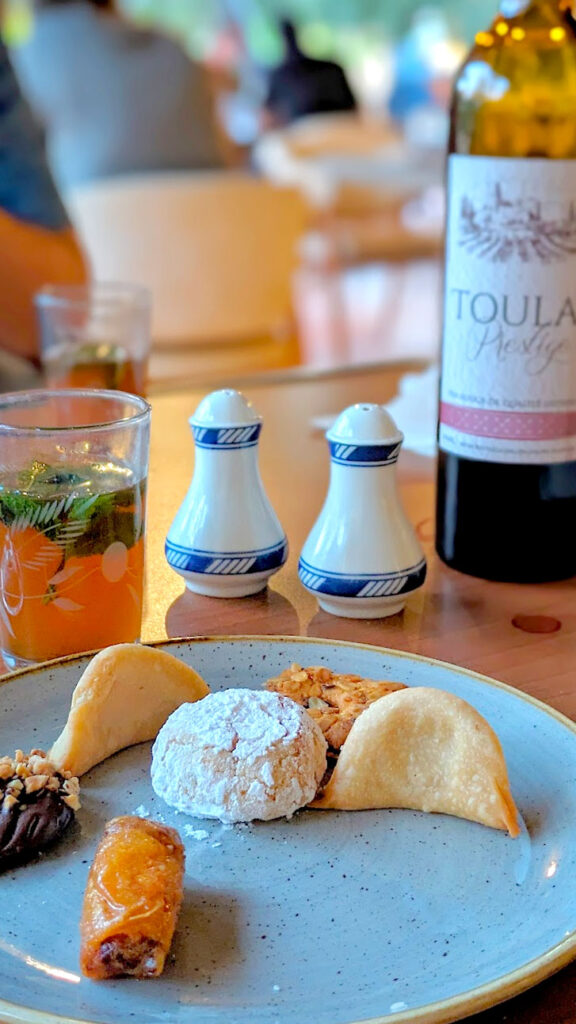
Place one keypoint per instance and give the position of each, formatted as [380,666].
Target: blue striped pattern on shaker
[225,563]
[362,585]
[364,454]
[227,438]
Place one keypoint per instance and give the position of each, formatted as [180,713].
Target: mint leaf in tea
[71,557]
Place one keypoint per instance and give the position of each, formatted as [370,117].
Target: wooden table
[523,635]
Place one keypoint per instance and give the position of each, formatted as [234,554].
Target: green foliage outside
[344,28]
[326,26]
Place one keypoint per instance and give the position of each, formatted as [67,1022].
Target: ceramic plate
[330,918]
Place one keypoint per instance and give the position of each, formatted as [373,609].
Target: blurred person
[302,85]
[37,244]
[114,98]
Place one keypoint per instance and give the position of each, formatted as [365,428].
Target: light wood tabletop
[523,635]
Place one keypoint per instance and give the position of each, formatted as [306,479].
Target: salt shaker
[226,540]
[362,557]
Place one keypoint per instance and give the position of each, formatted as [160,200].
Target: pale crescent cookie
[123,697]
[427,750]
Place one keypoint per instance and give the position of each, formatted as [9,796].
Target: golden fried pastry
[123,697]
[132,900]
[334,701]
[428,750]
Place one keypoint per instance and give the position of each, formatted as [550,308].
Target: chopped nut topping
[334,701]
[40,765]
[35,782]
[21,777]
[317,703]
[299,677]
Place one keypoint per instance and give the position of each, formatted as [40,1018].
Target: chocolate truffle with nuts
[37,804]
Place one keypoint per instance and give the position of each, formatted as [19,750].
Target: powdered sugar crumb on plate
[195,833]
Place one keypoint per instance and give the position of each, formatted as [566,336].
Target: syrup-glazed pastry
[37,804]
[132,900]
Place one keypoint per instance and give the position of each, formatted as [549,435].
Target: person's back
[114,98]
[37,244]
[302,85]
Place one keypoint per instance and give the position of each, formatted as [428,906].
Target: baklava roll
[132,899]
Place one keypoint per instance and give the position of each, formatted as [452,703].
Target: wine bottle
[506,505]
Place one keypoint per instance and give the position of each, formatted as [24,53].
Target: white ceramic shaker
[226,540]
[362,557]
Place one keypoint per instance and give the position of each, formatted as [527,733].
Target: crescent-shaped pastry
[123,697]
[427,750]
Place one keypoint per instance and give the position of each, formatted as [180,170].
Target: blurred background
[341,103]
[376,41]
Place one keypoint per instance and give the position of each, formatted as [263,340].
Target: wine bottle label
[508,391]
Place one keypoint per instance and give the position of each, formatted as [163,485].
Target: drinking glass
[73,471]
[95,336]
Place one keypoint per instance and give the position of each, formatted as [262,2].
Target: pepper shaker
[362,557]
[226,540]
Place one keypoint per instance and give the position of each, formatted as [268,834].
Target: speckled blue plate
[330,918]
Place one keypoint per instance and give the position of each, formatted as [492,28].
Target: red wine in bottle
[506,504]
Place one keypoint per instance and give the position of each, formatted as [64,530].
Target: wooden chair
[217,250]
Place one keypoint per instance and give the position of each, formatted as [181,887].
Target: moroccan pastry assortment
[307,738]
